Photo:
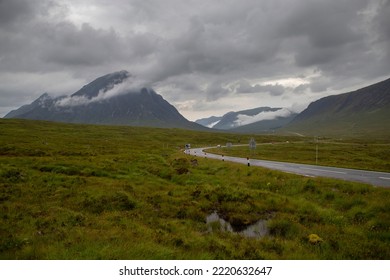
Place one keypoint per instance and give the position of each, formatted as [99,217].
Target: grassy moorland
[101,192]
[358,154]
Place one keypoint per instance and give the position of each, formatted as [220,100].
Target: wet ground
[215,223]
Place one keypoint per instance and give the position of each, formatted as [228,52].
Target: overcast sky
[206,57]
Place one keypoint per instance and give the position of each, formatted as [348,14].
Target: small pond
[216,223]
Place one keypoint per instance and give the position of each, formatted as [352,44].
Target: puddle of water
[259,229]
[216,223]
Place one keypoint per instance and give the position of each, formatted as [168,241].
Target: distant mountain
[363,112]
[257,120]
[100,102]
[209,122]
[265,126]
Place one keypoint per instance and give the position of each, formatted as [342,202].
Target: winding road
[380,179]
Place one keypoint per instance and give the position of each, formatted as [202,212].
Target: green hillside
[359,125]
[72,191]
[361,113]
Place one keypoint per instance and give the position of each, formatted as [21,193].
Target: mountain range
[361,113]
[112,100]
[257,120]
[103,101]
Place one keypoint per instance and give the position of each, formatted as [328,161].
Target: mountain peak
[44,96]
[99,103]
[102,84]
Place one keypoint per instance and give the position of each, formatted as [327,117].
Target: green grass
[103,192]
[358,154]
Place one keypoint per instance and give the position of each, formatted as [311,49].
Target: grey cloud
[320,84]
[340,39]
[46,42]
[326,24]
[301,88]
[84,46]
[324,31]
[308,56]
[274,90]
[244,86]
[382,20]
[215,90]
[381,24]
[12,11]
[216,45]
[196,49]
[186,83]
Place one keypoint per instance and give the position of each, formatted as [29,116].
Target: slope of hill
[99,102]
[209,122]
[362,112]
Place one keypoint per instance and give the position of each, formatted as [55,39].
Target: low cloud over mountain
[265,115]
[110,99]
[264,118]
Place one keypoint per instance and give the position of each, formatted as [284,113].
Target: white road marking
[384,178]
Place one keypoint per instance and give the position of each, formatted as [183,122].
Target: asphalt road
[380,179]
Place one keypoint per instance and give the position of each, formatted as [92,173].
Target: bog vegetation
[100,192]
[358,154]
